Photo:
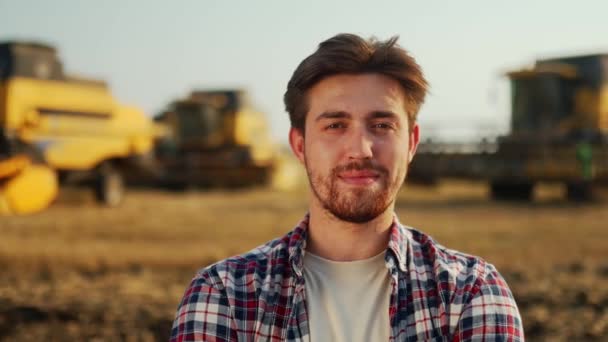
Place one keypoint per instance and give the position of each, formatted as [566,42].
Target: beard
[357,205]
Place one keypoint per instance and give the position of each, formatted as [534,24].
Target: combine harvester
[558,133]
[80,132]
[219,140]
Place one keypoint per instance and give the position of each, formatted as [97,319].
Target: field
[81,272]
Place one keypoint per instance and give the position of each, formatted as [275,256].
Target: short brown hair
[351,54]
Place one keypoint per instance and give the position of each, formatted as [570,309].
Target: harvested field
[81,272]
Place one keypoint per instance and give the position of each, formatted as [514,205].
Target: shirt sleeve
[492,314]
[203,314]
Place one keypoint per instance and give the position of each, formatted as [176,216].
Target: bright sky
[151,52]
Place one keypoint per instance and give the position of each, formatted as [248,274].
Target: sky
[152,52]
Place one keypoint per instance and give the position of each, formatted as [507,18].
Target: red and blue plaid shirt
[437,295]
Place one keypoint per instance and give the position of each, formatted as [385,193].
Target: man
[350,271]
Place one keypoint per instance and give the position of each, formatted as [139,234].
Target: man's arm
[492,314]
[203,314]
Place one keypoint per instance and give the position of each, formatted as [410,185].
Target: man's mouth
[359,177]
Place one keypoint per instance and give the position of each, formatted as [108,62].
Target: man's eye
[383,125]
[335,125]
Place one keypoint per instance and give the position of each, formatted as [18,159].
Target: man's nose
[360,144]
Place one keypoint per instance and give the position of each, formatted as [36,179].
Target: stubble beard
[356,205]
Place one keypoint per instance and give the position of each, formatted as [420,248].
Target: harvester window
[541,101]
[197,121]
[29,60]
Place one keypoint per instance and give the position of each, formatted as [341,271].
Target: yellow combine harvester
[81,131]
[558,133]
[218,140]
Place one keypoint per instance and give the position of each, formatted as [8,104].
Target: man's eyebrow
[382,114]
[333,115]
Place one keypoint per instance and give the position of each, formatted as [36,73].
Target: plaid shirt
[437,294]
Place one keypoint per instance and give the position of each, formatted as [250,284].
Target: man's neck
[334,239]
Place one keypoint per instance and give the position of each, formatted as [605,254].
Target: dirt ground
[79,272]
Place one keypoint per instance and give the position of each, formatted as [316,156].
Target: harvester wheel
[511,191]
[579,192]
[109,185]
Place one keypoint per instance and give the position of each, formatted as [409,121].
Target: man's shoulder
[467,289]
[216,295]
[272,255]
[448,265]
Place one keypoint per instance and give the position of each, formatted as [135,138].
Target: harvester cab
[542,100]
[218,140]
[562,98]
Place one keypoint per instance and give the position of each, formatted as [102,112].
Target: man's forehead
[361,94]
[374,114]
[345,84]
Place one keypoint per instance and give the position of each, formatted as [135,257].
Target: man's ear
[296,141]
[414,139]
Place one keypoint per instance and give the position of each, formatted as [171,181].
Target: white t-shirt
[347,301]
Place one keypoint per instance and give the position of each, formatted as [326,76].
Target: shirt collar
[398,244]
[396,256]
[297,245]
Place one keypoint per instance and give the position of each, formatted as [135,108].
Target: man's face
[357,144]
